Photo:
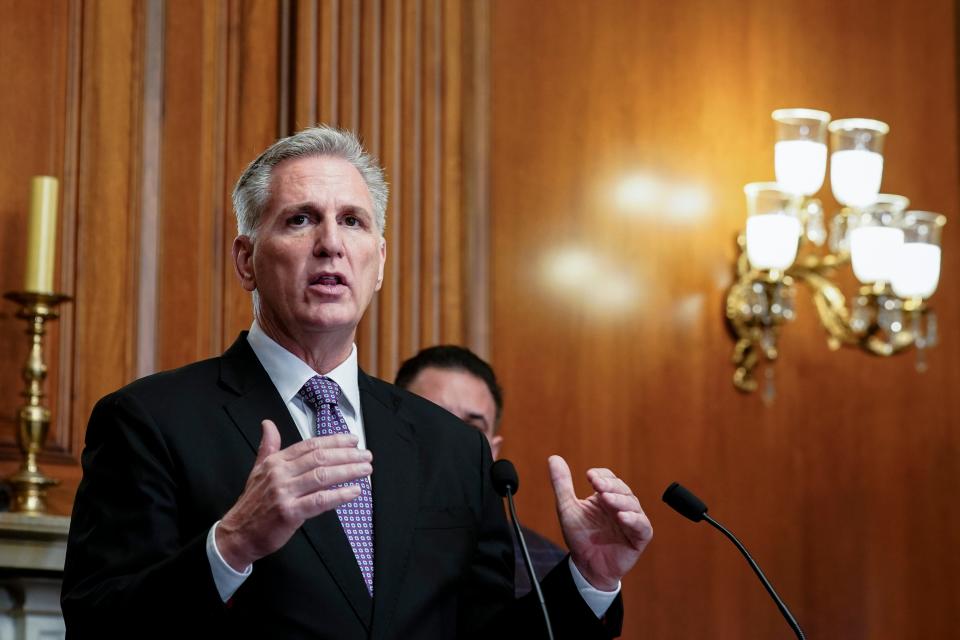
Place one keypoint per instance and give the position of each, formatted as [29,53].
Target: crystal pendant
[769,387]
[759,302]
[768,341]
[920,342]
[889,315]
[786,302]
[839,240]
[862,315]
[816,231]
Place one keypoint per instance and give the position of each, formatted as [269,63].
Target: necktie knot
[320,390]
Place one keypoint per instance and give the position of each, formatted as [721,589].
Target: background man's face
[462,394]
[318,256]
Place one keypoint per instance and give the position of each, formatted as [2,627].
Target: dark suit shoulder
[430,420]
[208,382]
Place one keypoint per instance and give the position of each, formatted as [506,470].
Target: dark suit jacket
[544,555]
[169,454]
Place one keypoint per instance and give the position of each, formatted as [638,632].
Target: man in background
[465,385]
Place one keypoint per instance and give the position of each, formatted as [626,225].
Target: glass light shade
[773,225]
[856,164]
[917,271]
[800,153]
[840,228]
[876,236]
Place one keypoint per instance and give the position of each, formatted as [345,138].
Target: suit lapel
[396,482]
[257,400]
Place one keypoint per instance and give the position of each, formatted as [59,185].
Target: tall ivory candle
[42,237]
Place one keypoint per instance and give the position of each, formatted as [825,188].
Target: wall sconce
[894,252]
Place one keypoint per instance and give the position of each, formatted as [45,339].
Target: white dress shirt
[288,374]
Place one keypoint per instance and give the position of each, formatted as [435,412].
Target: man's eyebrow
[477,416]
[356,209]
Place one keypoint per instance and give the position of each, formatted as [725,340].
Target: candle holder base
[28,491]
[28,485]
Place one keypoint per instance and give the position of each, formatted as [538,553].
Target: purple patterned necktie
[356,516]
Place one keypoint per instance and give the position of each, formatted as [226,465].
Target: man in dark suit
[464,384]
[279,492]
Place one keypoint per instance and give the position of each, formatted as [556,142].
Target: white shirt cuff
[224,576]
[598,601]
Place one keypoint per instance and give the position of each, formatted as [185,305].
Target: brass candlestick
[29,485]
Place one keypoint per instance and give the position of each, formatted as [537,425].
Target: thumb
[269,441]
[562,480]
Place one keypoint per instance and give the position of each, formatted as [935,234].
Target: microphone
[506,482]
[505,478]
[690,506]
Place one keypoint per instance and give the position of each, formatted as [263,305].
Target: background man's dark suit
[169,454]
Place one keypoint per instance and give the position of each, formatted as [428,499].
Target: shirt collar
[289,373]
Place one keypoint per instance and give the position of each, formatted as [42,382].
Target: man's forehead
[307,174]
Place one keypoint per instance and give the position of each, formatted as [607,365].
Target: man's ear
[383,260]
[495,443]
[243,262]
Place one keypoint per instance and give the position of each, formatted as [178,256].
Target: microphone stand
[756,569]
[527,561]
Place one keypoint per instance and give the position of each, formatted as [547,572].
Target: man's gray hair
[252,191]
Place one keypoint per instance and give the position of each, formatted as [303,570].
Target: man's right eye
[297,220]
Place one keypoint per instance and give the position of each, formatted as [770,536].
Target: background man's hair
[455,358]
[252,191]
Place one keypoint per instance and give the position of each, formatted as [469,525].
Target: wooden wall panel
[608,325]
[191,239]
[222,107]
[150,110]
[34,133]
[252,118]
[392,70]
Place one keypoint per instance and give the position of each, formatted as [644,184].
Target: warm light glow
[855,176]
[644,194]
[571,265]
[800,165]
[687,203]
[687,312]
[772,240]
[872,252]
[592,281]
[639,193]
[917,271]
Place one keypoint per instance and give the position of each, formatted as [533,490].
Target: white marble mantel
[32,551]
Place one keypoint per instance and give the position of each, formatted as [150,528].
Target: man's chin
[330,323]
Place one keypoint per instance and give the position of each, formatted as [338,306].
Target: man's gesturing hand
[287,487]
[606,532]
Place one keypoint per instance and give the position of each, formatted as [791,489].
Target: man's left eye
[352,221]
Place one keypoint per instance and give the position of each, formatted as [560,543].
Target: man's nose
[328,240]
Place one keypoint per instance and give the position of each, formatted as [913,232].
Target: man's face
[318,256]
[462,394]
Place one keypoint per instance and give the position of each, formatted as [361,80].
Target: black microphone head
[684,502]
[504,477]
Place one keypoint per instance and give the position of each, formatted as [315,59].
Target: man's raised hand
[285,488]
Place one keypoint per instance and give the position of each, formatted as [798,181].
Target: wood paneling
[38,104]
[150,110]
[392,71]
[608,325]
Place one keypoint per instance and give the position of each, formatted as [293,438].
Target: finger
[609,484]
[321,478]
[326,457]
[319,442]
[269,441]
[636,527]
[615,502]
[313,504]
[561,479]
